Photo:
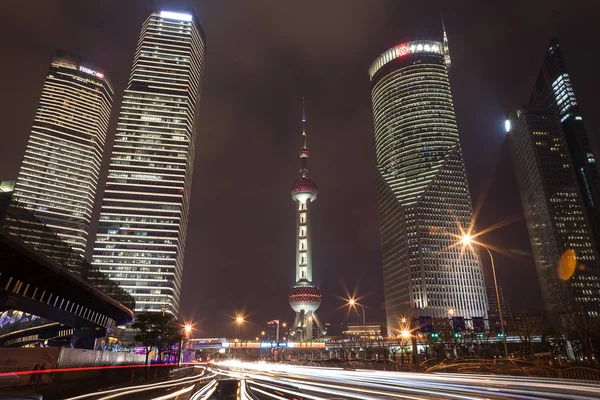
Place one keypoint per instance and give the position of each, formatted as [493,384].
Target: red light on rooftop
[402,50]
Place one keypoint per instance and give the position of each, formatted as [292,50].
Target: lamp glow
[507,125]
[466,239]
[174,15]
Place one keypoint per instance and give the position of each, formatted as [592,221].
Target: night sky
[262,57]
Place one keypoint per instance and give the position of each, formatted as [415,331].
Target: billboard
[26,359]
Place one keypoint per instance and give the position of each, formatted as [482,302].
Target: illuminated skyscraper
[554,210]
[305,297]
[423,194]
[59,172]
[144,215]
[553,88]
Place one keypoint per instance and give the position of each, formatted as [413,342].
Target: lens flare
[566,265]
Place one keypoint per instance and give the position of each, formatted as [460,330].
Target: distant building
[58,178]
[369,330]
[7,186]
[493,302]
[272,332]
[554,210]
[142,229]
[423,194]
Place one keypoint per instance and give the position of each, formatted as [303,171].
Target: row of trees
[157,331]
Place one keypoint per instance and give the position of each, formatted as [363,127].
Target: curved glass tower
[143,220]
[423,194]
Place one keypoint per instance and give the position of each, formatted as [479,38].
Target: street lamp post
[354,303]
[187,329]
[468,240]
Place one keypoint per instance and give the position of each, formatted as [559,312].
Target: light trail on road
[325,383]
[188,384]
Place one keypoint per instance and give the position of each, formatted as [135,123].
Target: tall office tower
[59,172]
[554,209]
[553,88]
[305,297]
[143,220]
[423,194]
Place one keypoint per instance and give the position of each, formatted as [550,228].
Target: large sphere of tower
[304,188]
[305,296]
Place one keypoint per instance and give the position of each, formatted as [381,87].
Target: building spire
[304,149]
[446,47]
[556,27]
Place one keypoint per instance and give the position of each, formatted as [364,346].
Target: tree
[148,326]
[170,334]
[578,318]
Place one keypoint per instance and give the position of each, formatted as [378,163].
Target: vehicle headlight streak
[370,385]
[114,393]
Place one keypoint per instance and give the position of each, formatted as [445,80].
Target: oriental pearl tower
[305,297]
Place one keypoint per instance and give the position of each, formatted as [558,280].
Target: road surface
[265,381]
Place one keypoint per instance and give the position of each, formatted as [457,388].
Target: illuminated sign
[174,15]
[417,46]
[401,50]
[91,72]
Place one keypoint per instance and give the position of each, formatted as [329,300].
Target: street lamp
[352,303]
[467,240]
[187,328]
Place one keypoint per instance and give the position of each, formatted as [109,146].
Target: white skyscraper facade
[143,220]
[423,193]
[59,172]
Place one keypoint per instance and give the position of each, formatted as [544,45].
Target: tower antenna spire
[447,59]
[304,149]
[555,20]
[303,125]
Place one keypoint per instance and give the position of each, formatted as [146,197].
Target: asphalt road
[264,381]
[334,383]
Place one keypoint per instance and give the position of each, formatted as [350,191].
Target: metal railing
[517,368]
[20,222]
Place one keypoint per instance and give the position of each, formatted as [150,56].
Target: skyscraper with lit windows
[556,218]
[554,89]
[59,172]
[143,220]
[423,193]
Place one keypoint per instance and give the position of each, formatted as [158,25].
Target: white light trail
[114,393]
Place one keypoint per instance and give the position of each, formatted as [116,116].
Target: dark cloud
[263,56]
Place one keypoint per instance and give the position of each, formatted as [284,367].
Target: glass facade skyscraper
[59,173]
[423,194]
[554,210]
[553,88]
[143,220]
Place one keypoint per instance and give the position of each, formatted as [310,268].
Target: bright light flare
[566,265]
[466,240]
[507,125]
[405,334]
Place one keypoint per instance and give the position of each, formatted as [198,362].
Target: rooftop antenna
[446,47]
[555,21]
